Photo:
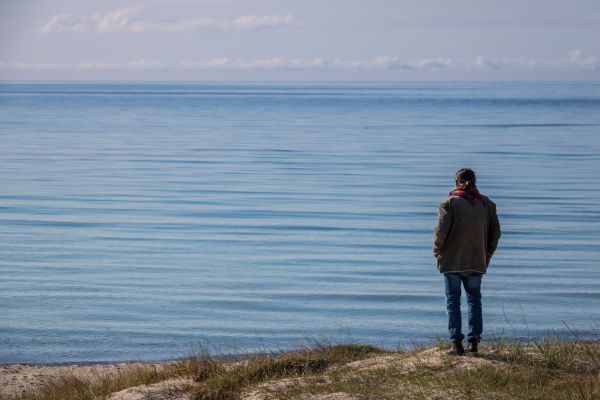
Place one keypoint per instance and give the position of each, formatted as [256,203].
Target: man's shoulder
[448,200]
[453,199]
[487,200]
[489,204]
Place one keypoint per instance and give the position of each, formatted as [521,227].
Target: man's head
[465,179]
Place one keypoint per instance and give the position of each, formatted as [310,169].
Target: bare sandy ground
[172,389]
[17,378]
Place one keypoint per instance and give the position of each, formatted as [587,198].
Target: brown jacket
[466,234]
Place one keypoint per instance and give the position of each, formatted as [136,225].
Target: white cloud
[278,63]
[129,20]
[486,63]
[575,58]
[256,22]
[118,20]
[70,23]
[175,26]
[574,61]
[438,63]
[274,63]
[387,62]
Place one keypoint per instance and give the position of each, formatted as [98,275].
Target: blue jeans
[472,284]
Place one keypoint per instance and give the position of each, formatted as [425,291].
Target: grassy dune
[547,369]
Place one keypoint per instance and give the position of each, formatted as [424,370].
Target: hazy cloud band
[128,20]
[573,61]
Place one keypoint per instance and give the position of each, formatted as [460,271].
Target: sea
[146,221]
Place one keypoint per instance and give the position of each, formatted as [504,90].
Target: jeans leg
[472,284]
[453,283]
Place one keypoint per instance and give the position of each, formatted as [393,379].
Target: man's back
[467,234]
[465,239]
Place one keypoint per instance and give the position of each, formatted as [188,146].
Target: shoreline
[89,363]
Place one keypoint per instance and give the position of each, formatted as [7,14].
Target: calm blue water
[139,220]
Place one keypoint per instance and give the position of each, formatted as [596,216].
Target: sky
[301,40]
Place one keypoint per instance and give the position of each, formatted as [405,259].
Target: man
[465,239]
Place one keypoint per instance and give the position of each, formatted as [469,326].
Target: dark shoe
[473,347]
[457,349]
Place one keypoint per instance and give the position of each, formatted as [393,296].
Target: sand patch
[16,379]
[171,389]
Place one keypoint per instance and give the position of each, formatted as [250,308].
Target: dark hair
[466,178]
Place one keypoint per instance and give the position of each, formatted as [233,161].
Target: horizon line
[3,81]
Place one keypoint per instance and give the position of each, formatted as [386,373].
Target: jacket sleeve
[493,233]
[443,226]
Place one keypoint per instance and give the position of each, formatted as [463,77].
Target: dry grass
[221,383]
[547,369]
[72,387]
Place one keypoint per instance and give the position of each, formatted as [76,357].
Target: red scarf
[470,195]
